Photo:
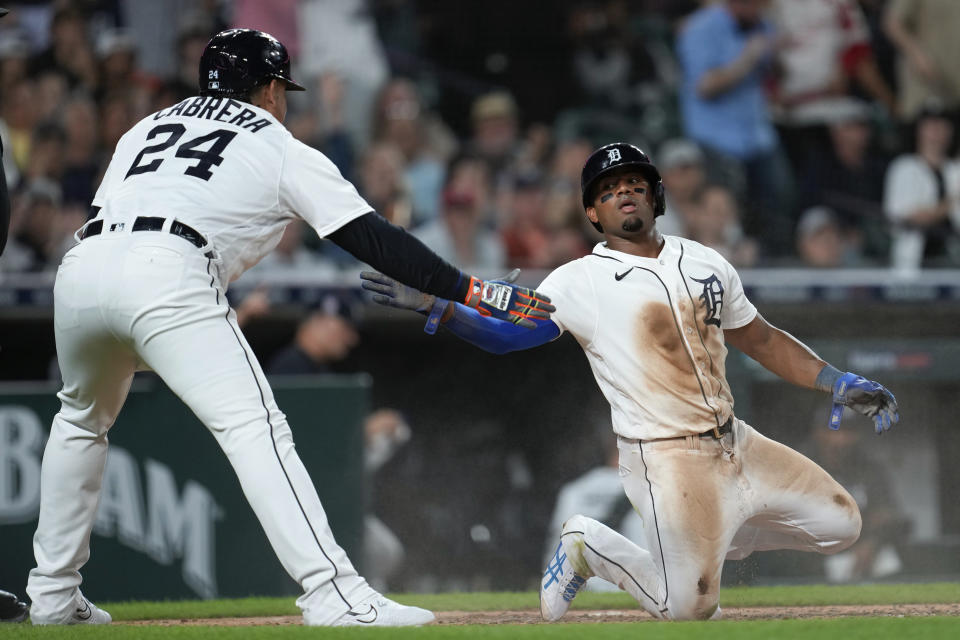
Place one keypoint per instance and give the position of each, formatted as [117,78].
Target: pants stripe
[276,452]
[653,507]
[613,562]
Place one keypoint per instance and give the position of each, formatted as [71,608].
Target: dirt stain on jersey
[669,373]
[658,331]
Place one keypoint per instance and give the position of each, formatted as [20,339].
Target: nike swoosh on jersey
[621,276]
[367,617]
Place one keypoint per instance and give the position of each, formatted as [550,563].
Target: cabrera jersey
[231,171]
[652,329]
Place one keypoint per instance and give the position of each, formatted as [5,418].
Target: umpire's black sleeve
[391,250]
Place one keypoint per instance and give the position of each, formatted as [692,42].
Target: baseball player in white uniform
[196,194]
[653,314]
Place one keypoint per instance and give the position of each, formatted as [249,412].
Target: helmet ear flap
[659,200]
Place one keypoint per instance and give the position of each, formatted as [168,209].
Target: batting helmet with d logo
[614,156]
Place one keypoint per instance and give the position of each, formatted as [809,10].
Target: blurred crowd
[817,133]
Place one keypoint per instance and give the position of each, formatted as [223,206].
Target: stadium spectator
[47,149]
[401,118]
[14,56]
[118,70]
[725,51]
[341,37]
[495,123]
[191,38]
[925,34]
[70,52]
[325,336]
[158,29]
[826,55]
[715,222]
[574,235]
[82,158]
[383,183]
[680,162]
[459,235]
[32,244]
[848,178]
[822,242]
[324,127]
[20,116]
[525,232]
[922,196]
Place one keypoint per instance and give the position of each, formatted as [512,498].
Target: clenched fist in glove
[864,396]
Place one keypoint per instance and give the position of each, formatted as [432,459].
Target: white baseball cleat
[559,585]
[380,611]
[85,612]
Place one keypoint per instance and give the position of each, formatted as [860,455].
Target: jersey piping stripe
[597,255]
[693,364]
[716,416]
[614,562]
[656,526]
[276,452]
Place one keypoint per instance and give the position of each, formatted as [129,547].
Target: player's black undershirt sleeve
[391,250]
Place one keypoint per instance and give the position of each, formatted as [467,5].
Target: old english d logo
[712,297]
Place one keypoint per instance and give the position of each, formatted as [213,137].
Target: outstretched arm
[484,331]
[497,336]
[777,351]
[390,249]
[795,362]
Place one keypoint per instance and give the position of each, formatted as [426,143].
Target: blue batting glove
[864,396]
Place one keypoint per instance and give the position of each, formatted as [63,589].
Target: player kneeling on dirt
[653,314]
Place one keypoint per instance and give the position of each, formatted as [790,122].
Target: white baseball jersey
[130,298]
[231,171]
[652,329]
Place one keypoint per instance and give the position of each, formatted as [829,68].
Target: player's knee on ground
[698,603]
[846,529]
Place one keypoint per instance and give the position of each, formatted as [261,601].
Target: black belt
[720,431]
[150,223]
[716,433]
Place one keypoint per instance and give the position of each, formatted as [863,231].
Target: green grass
[812,595]
[847,628]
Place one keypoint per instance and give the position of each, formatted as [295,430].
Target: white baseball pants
[125,301]
[701,506]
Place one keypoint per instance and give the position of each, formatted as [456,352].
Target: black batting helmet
[615,156]
[236,61]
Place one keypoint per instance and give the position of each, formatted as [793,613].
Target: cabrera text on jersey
[216,108]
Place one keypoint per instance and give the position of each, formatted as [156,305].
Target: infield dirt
[606,615]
